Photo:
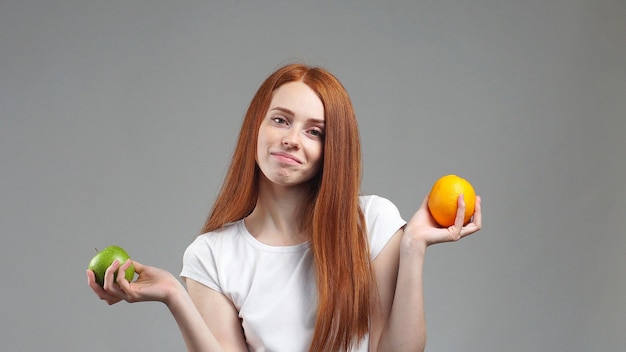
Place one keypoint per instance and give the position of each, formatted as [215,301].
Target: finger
[125,266]
[121,272]
[91,281]
[126,289]
[455,231]
[109,276]
[112,268]
[90,277]
[476,223]
[123,286]
[478,218]
[460,212]
[98,290]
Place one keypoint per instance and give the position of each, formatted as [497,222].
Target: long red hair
[332,215]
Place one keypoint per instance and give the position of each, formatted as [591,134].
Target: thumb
[425,202]
[138,266]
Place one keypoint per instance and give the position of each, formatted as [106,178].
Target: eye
[279,120]
[316,133]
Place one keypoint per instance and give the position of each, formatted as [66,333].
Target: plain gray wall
[118,120]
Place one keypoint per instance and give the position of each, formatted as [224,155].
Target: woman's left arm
[397,311]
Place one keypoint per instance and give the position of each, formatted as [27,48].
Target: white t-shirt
[273,287]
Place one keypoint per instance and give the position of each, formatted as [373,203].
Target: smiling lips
[286,158]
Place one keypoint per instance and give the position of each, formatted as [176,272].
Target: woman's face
[290,145]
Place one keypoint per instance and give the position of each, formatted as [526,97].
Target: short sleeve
[199,264]
[383,221]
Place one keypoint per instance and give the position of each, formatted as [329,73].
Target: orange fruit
[443,197]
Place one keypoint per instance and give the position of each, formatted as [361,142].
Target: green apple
[101,261]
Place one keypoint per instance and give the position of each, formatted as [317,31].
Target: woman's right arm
[199,313]
[218,314]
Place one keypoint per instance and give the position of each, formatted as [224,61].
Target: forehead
[298,98]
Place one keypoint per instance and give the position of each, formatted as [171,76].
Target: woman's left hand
[423,230]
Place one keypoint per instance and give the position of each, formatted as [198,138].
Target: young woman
[292,257]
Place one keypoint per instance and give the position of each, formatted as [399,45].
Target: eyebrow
[288,111]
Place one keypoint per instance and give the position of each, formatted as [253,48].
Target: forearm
[405,329]
[196,333]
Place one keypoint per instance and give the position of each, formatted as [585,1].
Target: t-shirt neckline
[270,248]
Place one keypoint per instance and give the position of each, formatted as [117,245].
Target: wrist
[174,294]
[412,243]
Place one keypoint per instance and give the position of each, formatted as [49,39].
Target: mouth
[286,158]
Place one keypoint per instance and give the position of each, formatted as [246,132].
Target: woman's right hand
[152,284]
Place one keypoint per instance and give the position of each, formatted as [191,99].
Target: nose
[291,139]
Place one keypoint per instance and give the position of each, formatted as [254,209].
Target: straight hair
[331,214]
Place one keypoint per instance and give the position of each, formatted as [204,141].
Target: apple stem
[97,251]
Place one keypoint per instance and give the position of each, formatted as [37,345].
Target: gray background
[118,120]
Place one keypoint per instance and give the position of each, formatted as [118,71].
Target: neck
[275,219]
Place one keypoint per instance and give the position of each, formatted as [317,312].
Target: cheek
[267,136]
[318,155]
[261,141]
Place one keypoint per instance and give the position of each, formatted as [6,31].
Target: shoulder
[227,233]
[201,260]
[209,245]
[374,205]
